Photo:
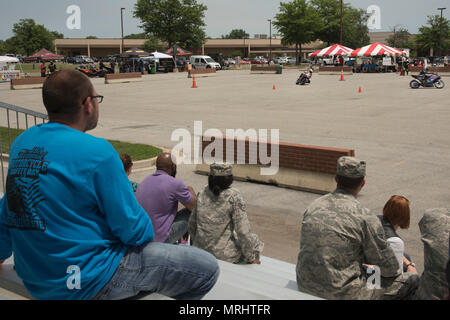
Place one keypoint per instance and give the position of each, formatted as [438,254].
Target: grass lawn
[28,67]
[136,151]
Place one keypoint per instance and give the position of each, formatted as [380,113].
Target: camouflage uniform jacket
[434,228]
[338,236]
[219,225]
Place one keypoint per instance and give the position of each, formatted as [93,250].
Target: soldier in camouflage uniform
[339,237]
[219,223]
[434,227]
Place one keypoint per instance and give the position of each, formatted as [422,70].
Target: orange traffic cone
[359,90]
[194,83]
[342,76]
[274,88]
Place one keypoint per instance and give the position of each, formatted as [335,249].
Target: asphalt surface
[402,133]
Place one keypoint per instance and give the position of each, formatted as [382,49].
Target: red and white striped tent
[376,49]
[334,50]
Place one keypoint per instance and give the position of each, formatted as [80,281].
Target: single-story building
[256,46]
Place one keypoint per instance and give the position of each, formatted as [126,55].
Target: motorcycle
[90,72]
[305,77]
[427,80]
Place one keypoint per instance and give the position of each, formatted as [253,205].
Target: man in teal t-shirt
[70,217]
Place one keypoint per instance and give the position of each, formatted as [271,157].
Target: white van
[202,62]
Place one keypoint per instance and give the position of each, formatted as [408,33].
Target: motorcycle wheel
[439,84]
[414,84]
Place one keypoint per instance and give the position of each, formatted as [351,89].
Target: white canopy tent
[11,73]
[157,55]
[7,59]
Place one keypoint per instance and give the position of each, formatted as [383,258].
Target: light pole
[245,37]
[340,36]
[270,39]
[121,20]
[440,32]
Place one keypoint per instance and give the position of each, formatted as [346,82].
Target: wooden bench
[335,70]
[207,72]
[266,69]
[123,77]
[271,280]
[27,83]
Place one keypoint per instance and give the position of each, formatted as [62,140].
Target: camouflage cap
[220,169]
[351,167]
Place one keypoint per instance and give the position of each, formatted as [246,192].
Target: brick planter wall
[123,77]
[27,83]
[265,69]
[202,72]
[304,167]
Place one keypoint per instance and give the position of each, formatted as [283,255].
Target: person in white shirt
[396,214]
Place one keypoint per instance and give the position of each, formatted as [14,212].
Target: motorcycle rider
[425,74]
[305,76]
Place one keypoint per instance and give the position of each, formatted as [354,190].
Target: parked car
[85,59]
[230,61]
[74,60]
[113,57]
[259,60]
[202,62]
[291,60]
[282,60]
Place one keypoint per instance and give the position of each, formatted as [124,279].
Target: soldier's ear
[363,182]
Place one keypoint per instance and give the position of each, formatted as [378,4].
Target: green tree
[153,44]
[429,36]
[30,37]
[57,35]
[142,35]
[2,47]
[173,21]
[91,37]
[297,23]
[354,23]
[236,34]
[400,39]
[355,33]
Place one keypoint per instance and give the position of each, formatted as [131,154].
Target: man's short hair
[348,183]
[64,91]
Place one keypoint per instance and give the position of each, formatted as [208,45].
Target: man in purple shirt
[159,195]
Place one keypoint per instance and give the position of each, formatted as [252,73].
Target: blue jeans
[179,272]
[179,226]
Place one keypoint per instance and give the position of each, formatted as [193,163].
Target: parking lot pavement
[403,134]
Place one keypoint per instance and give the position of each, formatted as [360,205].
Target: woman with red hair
[396,214]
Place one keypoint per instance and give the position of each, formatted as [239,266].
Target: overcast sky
[101,18]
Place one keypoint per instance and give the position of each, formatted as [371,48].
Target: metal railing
[13,120]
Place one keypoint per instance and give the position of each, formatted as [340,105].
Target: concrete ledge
[123,77]
[335,70]
[10,281]
[27,83]
[309,181]
[13,286]
[210,72]
[271,280]
[263,69]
